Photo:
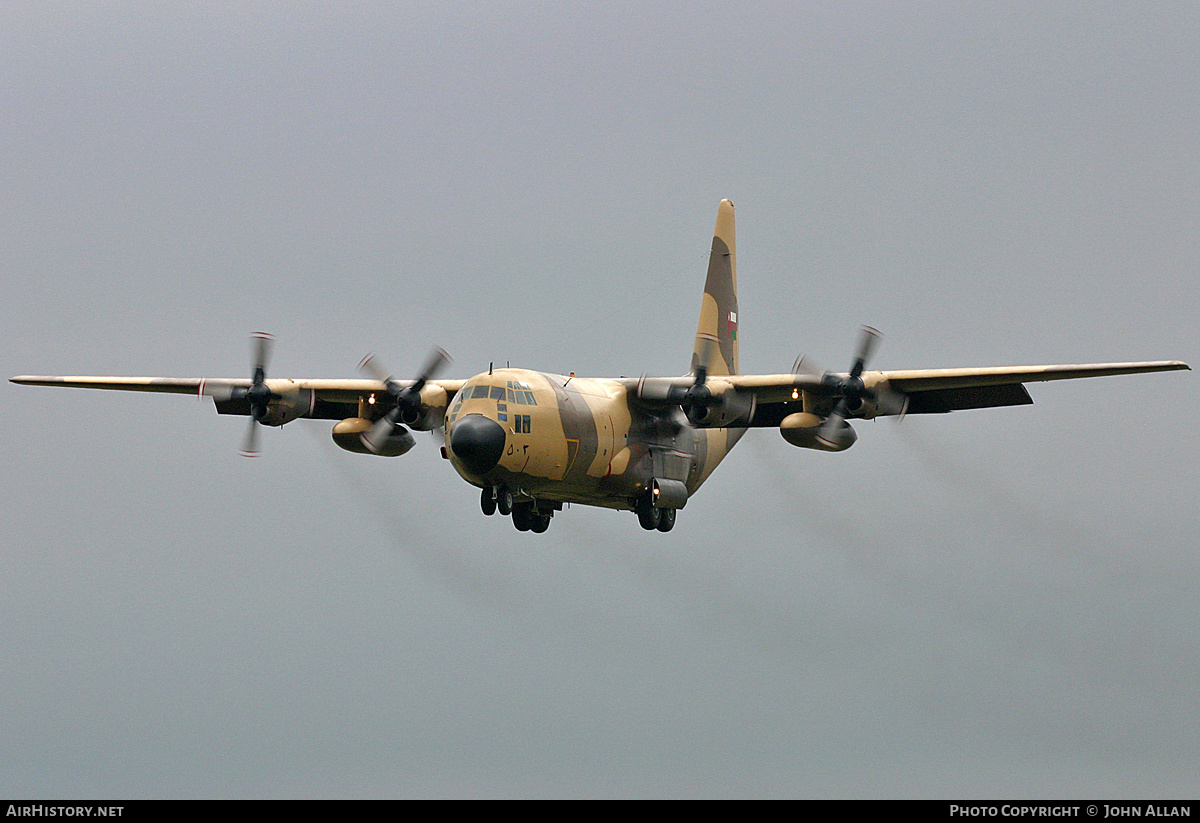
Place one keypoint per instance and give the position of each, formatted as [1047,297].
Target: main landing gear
[526,515]
[534,515]
[651,517]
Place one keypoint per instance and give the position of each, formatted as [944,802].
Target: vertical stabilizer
[716,335]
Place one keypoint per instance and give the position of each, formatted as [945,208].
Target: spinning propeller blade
[408,398]
[258,395]
[851,388]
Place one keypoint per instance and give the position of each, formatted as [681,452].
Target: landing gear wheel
[504,500]
[487,500]
[522,515]
[539,522]
[666,519]
[649,515]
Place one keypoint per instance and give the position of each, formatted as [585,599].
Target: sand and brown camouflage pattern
[716,334]
[549,439]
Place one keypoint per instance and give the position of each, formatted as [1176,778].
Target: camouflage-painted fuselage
[580,440]
[533,441]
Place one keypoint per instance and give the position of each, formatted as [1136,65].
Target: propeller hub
[697,395]
[258,395]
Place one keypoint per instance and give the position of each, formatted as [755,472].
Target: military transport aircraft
[533,441]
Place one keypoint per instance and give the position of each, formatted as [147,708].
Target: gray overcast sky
[990,603]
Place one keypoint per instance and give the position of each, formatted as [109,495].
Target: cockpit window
[514,392]
[519,393]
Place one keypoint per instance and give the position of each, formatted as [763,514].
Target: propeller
[692,393]
[697,397]
[408,398]
[850,387]
[257,394]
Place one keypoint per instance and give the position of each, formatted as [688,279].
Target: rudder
[716,334]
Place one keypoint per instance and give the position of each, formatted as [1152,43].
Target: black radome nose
[478,442]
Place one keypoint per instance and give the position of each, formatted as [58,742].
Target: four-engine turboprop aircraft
[533,441]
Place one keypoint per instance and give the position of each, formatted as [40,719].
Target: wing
[945,390]
[768,398]
[323,399]
[934,391]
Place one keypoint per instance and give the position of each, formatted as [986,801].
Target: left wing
[945,390]
[927,391]
[768,398]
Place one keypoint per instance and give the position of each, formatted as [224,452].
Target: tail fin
[716,346]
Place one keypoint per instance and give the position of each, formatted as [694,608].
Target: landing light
[795,394]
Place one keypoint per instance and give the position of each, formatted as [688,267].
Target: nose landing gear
[527,515]
[496,499]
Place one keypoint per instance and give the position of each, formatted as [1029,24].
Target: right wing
[325,399]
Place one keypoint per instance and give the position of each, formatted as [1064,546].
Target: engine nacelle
[727,407]
[433,409]
[883,400]
[288,403]
[348,434]
[800,429]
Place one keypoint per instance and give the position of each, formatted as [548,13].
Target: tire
[522,515]
[504,500]
[539,522]
[648,514]
[666,519]
[487,500]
